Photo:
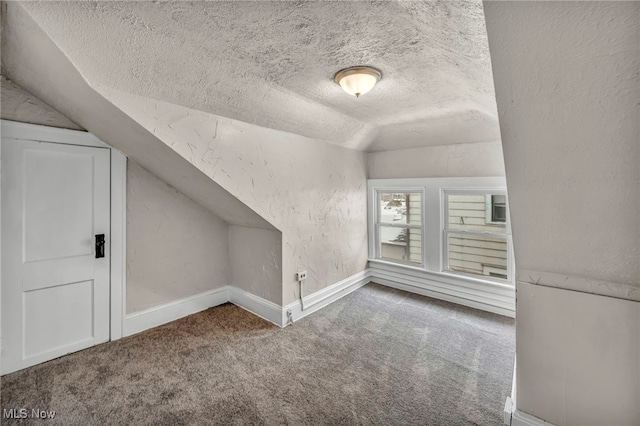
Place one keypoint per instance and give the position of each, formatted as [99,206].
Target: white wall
[566,76]
[175,247]
[567,86]
[458,160]
[312,191]
[578,357]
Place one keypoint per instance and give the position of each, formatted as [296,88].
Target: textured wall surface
[569,116]
[255,257]
[16,104]
[568,92]
[313,192]
[175,247]
[32,60]
[272,63]
[462,160]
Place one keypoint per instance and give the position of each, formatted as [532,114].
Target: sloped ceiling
[20,105]
[34,62]
[272,63]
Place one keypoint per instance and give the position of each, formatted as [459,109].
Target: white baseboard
[520,418]
[158,315]
[515,417]
[162,314]
[510,404]
[324,297]
[496,298]
[263,308]
[508,411]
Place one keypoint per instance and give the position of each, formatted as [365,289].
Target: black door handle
[99,246]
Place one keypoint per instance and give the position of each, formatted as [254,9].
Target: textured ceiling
[272,63]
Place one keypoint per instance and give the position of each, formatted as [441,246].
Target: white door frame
[118,271]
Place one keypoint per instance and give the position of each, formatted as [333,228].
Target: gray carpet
[377,356]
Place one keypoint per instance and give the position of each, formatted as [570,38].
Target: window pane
[498,208]
[400,208]
[477,212]
[478,254]
[401,244]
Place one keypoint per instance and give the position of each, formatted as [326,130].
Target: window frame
[377,222]
[432,230]
[446,231]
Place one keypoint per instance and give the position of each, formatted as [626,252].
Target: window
[453,229]
[475,234]
[399,226]
[496,208]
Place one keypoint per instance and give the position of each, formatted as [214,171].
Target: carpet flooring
[377,356]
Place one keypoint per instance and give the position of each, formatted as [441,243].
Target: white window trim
[433,253]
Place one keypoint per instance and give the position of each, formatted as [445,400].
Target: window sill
[480,294]
[447,275]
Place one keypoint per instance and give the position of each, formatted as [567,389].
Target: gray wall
[255,257]
[175,247]
[311,191]
[566,78]
[20,105]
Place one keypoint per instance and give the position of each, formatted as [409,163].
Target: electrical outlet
[301,276]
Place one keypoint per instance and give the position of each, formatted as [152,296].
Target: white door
[55,291]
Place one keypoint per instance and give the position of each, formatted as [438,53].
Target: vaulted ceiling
[272,63]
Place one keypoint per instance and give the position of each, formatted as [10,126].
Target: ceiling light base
[357,81]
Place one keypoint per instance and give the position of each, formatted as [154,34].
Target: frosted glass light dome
[357,81]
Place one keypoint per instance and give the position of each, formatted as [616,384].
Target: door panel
[71,209]
[55,293]
[65,307]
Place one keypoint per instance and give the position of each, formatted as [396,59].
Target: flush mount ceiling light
[357,81]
